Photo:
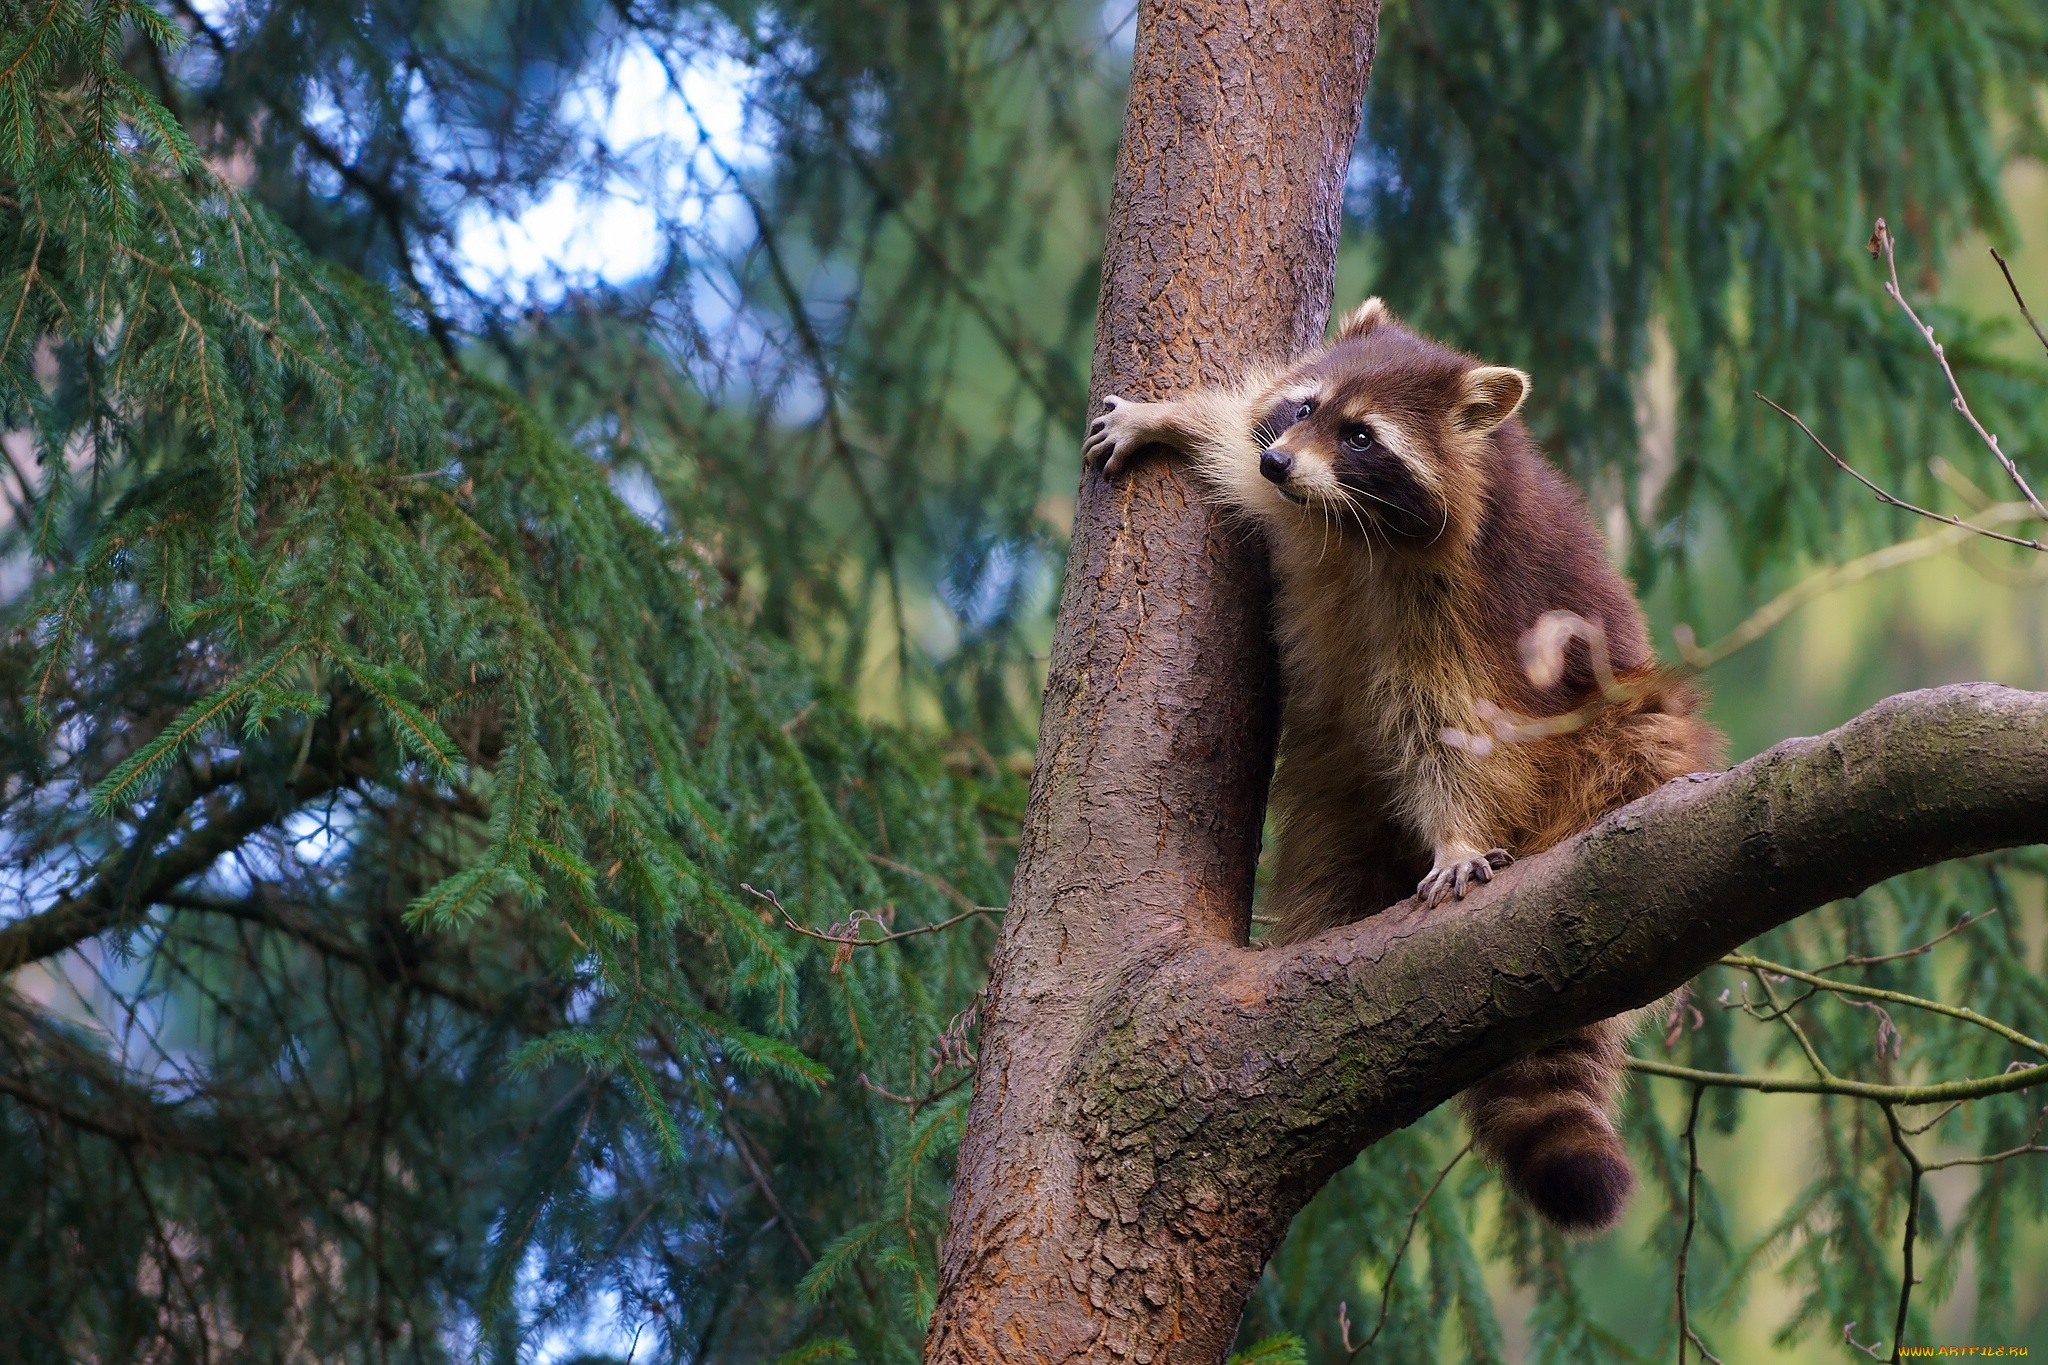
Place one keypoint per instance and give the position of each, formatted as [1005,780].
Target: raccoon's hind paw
[1451,880]
[1117,435]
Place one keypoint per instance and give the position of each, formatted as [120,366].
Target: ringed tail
[1547,1123]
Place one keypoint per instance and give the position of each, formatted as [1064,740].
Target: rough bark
[1155,1099]
[1262,1073]
[1159,716]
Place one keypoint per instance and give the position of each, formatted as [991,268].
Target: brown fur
[1424,536]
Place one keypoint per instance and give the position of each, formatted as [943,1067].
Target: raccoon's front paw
[1453,878]
[1118,434]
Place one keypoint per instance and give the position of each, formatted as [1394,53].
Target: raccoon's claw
[1453,879]
[1115,436]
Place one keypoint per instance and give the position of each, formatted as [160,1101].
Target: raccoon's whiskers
[1366,493]
[1352,505]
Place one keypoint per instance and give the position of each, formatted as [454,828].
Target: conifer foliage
[395,785]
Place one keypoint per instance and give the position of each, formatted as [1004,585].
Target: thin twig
[1993,1158]
[1881,240]
[1944,1113]
[1394,1266]
[914,1102]
[1892,501]
[1692,1175]
[2007,271]
[1763,982]
[1906,1281]
[2017,1076]
[1938,1093]
[848,937]
[2010,1034]
[1927,947]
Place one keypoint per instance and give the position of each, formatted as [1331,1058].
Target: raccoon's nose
[1276,465]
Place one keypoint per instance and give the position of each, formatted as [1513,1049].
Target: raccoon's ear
[1363,318]
[1490,396]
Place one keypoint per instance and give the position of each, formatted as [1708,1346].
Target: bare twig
[1906,1280]
[1945,1111]
[1892,501]
[846,933]
[2007,271]
[1993,1158]
[2010,1034]
[886,1093]
[1881,241]
[1692,1175]
[1939,1092]
[2018,1076]
[1927,947]
[1394,1266]
[914,1102]
[1784,1015]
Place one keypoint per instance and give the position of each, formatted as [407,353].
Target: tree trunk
[1160,709]
[1154,1099]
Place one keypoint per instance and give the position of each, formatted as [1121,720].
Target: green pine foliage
[425,694]
[411,782]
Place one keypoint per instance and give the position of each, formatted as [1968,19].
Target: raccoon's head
[1386,433]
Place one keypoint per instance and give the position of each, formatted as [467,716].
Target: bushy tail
[1547,1123]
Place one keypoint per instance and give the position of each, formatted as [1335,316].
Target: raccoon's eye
[1301,413]
[1358,437]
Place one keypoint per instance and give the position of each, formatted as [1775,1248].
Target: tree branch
[78,1086]
[117,891]
[1369,1026]
[262,909]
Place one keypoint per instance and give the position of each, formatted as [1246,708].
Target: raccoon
[1435,574]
